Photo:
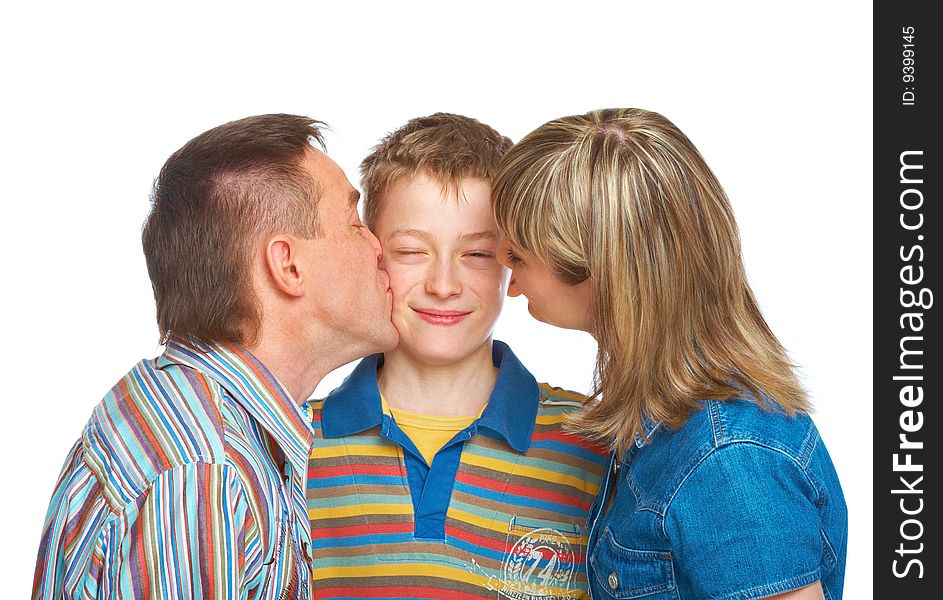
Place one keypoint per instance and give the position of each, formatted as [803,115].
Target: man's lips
[441,317]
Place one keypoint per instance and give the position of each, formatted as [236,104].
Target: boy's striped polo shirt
[500,513]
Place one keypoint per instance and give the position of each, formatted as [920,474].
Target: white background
[776,96]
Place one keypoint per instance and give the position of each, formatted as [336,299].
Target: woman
[720,486]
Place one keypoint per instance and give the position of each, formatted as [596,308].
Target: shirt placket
[601,501]
[616,468]
[294,498]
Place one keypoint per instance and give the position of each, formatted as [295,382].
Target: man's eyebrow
[354,197]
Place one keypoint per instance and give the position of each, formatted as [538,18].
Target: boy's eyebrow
[419,233]
[424,235]
[480,235]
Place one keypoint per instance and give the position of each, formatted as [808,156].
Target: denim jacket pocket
[624,573]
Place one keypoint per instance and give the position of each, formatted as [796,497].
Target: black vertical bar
[908,371]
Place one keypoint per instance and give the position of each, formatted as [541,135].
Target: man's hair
[214,202]
[443,146]
[622,198]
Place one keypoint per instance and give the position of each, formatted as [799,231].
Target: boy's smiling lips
[437,316]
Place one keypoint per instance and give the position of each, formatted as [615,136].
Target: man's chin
[390,338]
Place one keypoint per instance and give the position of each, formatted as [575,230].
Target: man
[440,468]
[188,481]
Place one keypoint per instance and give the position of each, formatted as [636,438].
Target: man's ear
[284,267]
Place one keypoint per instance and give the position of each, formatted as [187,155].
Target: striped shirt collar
[355,406]
[254,388]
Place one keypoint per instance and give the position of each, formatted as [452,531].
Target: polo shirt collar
[354,406]
[512,408]
[253,387]
[511,411]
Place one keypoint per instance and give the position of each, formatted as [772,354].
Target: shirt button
[613,581]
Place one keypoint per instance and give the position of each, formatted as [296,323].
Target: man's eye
[480,254]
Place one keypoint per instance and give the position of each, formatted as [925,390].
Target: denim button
[613,581]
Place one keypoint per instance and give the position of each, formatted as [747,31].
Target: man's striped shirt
[187,482]
[500,513]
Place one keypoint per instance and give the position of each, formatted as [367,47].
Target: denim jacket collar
[649,426]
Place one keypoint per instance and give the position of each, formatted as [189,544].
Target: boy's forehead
[425,177]
[420,203]
[423,189]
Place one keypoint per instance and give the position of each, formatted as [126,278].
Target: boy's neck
[461,388]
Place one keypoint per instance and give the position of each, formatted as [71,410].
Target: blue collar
[511,412]
[649,426]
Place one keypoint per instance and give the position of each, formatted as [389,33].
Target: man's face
[349,293]
[439,250]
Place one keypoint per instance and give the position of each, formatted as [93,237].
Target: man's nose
[377,248]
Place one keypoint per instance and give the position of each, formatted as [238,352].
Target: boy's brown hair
[445,147]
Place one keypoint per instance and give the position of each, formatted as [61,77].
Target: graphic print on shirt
[539,561]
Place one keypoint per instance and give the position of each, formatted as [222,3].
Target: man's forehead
[327,172]
[320,163]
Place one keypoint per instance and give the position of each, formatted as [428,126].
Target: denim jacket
[739,502]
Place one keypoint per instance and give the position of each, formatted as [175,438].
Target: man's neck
[456,389]
[297,368]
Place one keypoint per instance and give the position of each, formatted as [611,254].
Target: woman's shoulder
[720,424]
[763,423]
[726,428]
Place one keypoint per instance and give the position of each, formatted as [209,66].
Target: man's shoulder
[156,418]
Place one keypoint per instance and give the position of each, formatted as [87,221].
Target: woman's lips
[441,317]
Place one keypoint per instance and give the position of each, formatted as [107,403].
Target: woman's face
[549,299]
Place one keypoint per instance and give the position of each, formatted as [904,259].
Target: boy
[440,468]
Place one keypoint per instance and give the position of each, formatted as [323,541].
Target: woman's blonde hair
[622,197]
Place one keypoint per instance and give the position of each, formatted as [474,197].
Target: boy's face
[440,253]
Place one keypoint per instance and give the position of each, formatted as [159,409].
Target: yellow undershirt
[428,432]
